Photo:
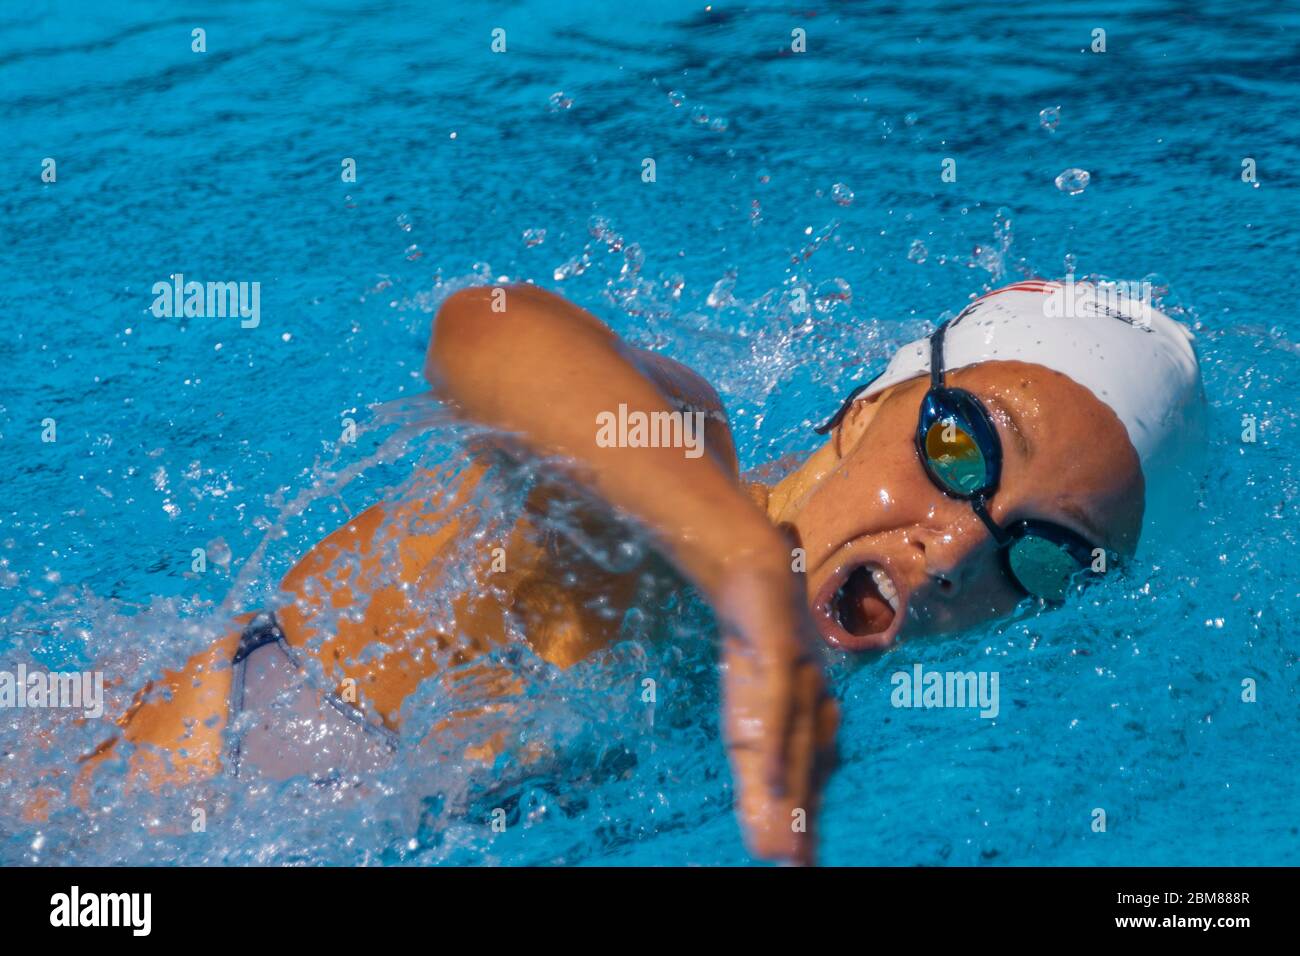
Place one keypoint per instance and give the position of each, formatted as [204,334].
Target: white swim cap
[1132,357]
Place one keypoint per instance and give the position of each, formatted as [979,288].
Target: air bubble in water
[1071,263]
[842,194]
[917,252]
[910,119]
[700,116]
[534,237]
[676,97]
[1073,181]
[1049,118]
[560,100]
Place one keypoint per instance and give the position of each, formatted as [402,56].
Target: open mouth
[862,611]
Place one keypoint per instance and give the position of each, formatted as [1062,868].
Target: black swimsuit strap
[261,630]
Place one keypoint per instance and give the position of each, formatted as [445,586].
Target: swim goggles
[959,447]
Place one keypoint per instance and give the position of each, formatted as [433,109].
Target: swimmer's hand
[780,721]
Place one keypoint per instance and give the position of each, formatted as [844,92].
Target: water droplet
[600,229]
[676,97]
[634,258]
[721,293]
[560,100]
[718,124]
[534,237]
[413,252]
[1002,226]
[842,194]
[1073,181]
[831,294]
[917,251]
[700,116]
[1049,118]
[404,222]
[1154,288]
[630,554]
[1071,263]
[988,259]
[574,267]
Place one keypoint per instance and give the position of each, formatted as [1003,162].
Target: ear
[854,424]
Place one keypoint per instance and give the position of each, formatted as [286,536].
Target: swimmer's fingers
[772,724]
[777,723]
[809,749]
[755,749]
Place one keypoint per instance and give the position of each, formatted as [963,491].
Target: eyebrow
[1012,422]
[1081,516]
[1084,519]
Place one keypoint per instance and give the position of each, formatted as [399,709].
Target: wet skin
[865,499]
[860,499]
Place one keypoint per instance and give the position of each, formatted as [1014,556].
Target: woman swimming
[1013,454]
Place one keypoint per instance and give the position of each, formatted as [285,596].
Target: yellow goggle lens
[954,457]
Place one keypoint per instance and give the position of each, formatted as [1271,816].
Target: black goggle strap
[936,381]
[980,506]
[936,356]
[838,417]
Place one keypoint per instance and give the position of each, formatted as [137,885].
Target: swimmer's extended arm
[545,370]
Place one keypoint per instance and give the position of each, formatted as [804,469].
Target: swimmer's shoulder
[465,323]
[689,391]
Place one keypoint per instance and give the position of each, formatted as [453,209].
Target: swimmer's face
[871,521]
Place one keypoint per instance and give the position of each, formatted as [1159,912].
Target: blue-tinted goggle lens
[1044,568]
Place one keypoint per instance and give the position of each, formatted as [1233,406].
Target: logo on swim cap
[1129,302]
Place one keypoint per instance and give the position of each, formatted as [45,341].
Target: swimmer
[1012,456]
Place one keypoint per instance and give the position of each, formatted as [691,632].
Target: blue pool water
[174,434]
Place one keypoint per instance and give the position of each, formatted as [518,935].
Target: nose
[951,554]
